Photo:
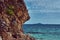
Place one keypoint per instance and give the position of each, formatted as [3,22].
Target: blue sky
[43,11]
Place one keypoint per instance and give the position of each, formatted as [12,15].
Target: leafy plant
[10,10]
[11,7]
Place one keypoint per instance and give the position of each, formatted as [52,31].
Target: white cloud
[44,11]
[43,5]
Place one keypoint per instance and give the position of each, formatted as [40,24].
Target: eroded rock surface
[13,13]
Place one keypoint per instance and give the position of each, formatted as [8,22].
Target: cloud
[44,11]
[43,5]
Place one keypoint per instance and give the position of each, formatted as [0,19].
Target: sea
[43,31]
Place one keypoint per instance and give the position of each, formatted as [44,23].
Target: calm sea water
[43,32]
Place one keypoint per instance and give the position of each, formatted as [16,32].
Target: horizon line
[40,23]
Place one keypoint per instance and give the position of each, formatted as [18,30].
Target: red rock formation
[13,13]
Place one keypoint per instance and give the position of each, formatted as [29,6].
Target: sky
[43,11]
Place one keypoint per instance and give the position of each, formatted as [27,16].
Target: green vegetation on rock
[10,10]
[11,7]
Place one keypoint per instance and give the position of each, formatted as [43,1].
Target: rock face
[13,13]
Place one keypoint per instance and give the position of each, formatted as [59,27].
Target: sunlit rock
[11,25]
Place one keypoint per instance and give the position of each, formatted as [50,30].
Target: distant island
[43,24]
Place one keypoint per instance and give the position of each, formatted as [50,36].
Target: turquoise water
[44,32]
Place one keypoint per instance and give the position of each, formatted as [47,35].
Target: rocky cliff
[13,13]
